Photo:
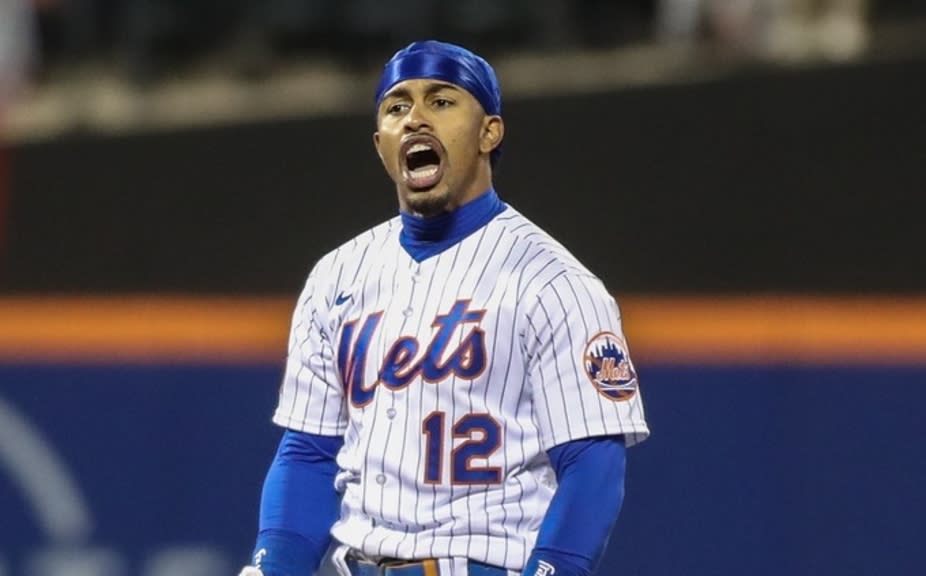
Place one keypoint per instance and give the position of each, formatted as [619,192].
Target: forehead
[423,86]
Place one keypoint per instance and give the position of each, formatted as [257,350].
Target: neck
[423,237]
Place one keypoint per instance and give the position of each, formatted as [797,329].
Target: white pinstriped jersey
[449,378]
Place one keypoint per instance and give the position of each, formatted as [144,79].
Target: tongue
[424,176]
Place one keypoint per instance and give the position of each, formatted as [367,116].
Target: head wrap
[450,63]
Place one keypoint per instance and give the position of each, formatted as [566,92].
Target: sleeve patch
[607,364]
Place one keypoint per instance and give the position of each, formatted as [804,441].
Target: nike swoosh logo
[342,298]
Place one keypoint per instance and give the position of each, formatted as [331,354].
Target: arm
[588,410]
[576,528]
[299,503]
[298,506]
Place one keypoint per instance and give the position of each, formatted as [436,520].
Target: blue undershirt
[588,498]
[423,237]
[298,505]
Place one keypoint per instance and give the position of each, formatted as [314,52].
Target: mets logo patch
[607,364]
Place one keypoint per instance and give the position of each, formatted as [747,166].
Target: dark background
[768,180]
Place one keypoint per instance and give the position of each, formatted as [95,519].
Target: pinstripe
[453,264]
[543,389]
[525,288]
[297,342]
[366,457]
[511,347]
[325,351]
[417,268]
[453,404]
[573,365]
[519,527]
[613,315]
[487,261]
[416,486]
[365,480]
[389,424]
[593,329]
[496,338]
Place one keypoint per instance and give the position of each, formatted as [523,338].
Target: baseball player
[458,394]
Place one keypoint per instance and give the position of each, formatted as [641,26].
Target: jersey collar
[425,237]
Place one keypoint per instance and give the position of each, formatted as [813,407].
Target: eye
[442,102]
[396,108]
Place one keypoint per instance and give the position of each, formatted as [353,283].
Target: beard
[428,202]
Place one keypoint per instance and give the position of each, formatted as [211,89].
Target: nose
[417,119]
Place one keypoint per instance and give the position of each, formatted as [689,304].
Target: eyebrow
[432,87]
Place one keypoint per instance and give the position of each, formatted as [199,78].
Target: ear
[493,132]
[376,145]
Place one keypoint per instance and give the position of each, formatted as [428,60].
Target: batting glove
[251,571]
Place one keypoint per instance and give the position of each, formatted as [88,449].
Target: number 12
[462,471]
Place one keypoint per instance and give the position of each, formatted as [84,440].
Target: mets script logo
[405,361]
[608,366]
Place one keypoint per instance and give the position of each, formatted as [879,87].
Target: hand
[251,571]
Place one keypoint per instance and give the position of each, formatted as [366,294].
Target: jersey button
[391,413]
[380,479]
[407,312]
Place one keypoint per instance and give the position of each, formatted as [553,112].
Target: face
[434,140]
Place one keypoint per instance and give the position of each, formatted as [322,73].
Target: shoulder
[354,250]
[327,275]
[544,261]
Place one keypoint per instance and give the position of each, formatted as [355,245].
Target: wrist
[282,553]
[547,562]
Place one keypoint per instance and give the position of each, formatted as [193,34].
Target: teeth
[418,148]
[425,172]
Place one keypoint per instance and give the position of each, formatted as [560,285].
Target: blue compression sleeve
[575,530]
[298,506]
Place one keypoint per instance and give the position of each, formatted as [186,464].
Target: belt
[418,568]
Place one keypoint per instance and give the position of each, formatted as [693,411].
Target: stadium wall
[787,435]
[766,179]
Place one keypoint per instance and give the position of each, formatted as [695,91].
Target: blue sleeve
[576,528]
[298,505]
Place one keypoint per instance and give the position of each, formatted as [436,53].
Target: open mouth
[423,162]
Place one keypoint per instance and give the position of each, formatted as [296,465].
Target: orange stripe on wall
[763,329]
[144,328]
[778,329]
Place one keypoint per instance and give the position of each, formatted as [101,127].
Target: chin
[427,202]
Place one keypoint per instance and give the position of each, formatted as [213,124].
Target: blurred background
[747,177]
